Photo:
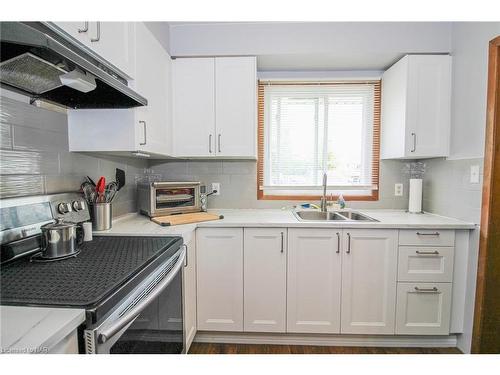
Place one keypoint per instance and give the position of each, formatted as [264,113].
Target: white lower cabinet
[423,308]
[321,281]
[369,271]
[264,260]
[314,281]
[189,297]
[219,266]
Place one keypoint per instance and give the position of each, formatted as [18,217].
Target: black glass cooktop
[104,266]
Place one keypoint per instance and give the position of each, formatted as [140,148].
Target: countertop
[135,224]
[36,329]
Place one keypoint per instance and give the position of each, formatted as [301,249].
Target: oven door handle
[110,331]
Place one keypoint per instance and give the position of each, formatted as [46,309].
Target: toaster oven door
[176,199]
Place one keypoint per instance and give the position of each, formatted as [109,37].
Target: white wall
[331,45]
[470,72]
[161,31]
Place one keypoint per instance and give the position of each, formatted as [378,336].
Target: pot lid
[59,224]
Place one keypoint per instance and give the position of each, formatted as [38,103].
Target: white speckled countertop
[135,224]
[26,330]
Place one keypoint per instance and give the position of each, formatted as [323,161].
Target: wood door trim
[491,157]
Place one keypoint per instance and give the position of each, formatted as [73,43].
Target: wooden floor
[201,348]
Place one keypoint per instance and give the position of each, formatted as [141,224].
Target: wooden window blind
[272,172]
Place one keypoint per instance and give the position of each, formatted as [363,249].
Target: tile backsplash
[448,190]
[239,183]
[34,157]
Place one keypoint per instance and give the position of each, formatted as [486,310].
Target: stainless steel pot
[60,239]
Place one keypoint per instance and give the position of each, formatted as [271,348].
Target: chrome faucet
[323,203]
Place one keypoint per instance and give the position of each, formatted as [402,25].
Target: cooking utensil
[120,178]
[60,239]
[90,181]
[100,187]
[110,191]
[89,192]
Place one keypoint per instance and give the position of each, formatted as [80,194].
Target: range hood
[39,60]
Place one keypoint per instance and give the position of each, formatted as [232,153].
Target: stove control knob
[78,205]
[64,208]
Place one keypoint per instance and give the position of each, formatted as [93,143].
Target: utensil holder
[101,214]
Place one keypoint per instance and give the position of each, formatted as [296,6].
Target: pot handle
[79,234]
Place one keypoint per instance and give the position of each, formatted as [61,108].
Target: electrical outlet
[398,190]
[474,174]
[216,186]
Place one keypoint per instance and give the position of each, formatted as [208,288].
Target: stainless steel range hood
[39,60]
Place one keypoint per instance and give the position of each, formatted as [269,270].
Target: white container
[415,196]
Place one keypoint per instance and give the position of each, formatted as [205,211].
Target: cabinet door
[189,279]
[219,265]
[265,279]
[113,42]
[235,106]
[423,309]
[369,270]
[193,107]
[152,80]
[428,106]
[80,31]
[314,281]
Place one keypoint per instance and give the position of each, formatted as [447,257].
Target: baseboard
[326,340]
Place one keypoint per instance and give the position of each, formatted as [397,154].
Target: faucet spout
[323,198]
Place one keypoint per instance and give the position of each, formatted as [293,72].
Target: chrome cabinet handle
[282,242]
[414,142]
[427,252]
[348,243]
[145,134]
[218,141]
[186,261]
[210,143]
[98,37]
[85,27]
[338,243]
[428,234]
[426,290]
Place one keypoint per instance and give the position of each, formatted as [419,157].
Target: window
[308,129]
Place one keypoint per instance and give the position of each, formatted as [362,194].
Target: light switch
[474,174]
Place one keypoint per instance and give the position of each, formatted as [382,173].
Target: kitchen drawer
[423,308]
[419,263]
[427,237]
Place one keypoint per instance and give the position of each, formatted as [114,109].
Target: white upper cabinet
[416,93]
[109,40]
[235,106]
[193,83]
[214,107]
[369,273]
[264,290]
[142,129]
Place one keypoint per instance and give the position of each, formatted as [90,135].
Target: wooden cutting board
[195,217]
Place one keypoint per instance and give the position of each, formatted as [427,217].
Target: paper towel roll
[415,201]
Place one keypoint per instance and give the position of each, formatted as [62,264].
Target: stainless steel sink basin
[353,215]
[311,215]
[318,215]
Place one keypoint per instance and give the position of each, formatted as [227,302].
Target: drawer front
[419,263]
[423,309]
[427,237]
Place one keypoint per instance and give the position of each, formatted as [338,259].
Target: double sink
[311,215]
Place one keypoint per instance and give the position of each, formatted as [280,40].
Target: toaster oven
[168,198]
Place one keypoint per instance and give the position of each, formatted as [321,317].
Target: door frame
[491,188]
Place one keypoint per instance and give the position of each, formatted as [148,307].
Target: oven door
[149,321]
